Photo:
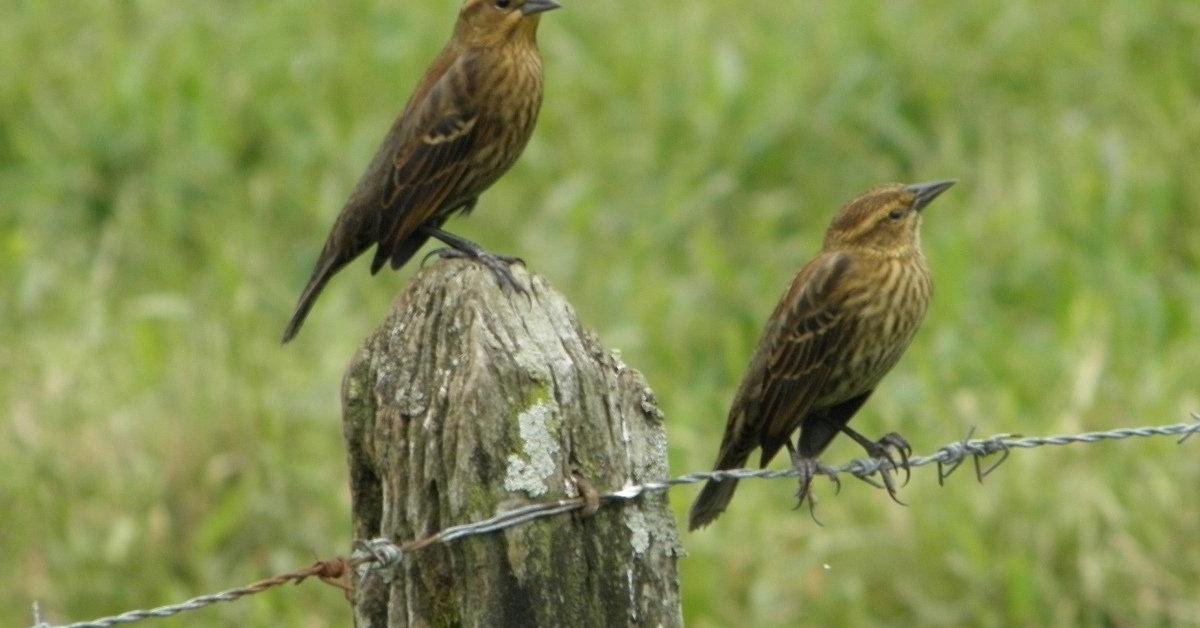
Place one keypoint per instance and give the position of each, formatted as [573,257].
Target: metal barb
[999,444]
[1195,428]
[377,555]
[956,454]
[382,554]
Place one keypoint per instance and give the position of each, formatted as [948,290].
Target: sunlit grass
[168,172]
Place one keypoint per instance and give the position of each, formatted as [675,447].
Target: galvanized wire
[383,555]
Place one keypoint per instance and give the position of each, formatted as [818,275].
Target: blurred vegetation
[168,172]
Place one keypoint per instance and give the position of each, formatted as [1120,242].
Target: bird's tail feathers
[713,500]
[327,266]
[715,496]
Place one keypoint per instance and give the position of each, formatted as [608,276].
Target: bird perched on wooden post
[465,124]
[840,327]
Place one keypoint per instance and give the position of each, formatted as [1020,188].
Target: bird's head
[885,221]
[493,23]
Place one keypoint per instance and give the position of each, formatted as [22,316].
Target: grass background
[168,172]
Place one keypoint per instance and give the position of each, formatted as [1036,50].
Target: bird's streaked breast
[889,305]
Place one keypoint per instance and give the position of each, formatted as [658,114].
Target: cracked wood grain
[469,400]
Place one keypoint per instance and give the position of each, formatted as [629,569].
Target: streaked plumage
[841,326]
[464,125]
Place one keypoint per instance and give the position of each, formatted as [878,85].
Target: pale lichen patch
[639,537]
[529,473]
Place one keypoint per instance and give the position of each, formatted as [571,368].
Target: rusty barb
[382,556]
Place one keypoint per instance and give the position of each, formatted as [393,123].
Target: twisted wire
[382,555]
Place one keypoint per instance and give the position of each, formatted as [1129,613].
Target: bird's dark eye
[503,4]
[896,214]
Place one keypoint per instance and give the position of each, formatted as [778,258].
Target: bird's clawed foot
[808,468]
[461,247]
[479,254]
[886,449]
[498,264]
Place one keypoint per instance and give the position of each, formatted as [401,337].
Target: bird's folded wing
[809,329]
[429,166]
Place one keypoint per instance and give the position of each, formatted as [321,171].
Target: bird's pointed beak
[532,7]
[926,192]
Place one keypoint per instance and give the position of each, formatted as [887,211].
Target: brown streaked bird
[464,125]
[842,324]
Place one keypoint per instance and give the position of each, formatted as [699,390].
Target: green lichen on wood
[470,401]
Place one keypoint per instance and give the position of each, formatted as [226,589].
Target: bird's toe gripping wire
[808,468]
[886,450]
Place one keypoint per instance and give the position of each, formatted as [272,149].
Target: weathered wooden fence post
[469,401]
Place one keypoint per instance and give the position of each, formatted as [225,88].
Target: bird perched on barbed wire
[465,124]
[839,328]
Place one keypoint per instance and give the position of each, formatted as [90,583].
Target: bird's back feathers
[786,375]
[459,131]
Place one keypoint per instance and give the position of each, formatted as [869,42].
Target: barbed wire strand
[382,555]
